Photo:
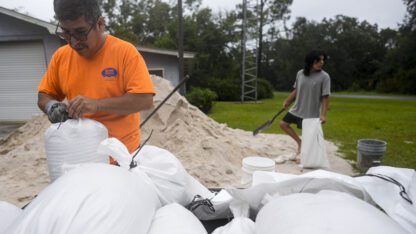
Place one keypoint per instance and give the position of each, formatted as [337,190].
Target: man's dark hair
[73,9]
[311,58]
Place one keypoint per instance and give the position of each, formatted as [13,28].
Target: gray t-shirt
[309,92]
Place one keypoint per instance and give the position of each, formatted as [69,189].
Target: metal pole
[243,49]
[260,45]
[180,46]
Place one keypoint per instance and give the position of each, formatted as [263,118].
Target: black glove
[57,112]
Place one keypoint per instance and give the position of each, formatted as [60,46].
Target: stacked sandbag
[326,212]
[172,182]
[175,219]
[394,191]
[326,202]
[8,214]
[73,142]
[241,222]
[88,196]
[292,184]
[92,198]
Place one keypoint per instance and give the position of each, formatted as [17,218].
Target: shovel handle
[164,100]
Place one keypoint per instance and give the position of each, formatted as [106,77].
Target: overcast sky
[386,13]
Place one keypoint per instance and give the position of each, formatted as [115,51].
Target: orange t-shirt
[117,68]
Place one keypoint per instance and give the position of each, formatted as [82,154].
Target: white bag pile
[92,198]
[8,214]
[327,212]
[241,223]
[149,198]
[173,184]
[175,219]
[291,184]
[391,197]
[101,198]
[327,202]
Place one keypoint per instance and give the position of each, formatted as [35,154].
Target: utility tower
[249,50]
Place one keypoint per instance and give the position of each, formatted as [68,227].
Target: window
[157,72]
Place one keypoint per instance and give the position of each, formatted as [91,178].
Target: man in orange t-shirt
[102,77]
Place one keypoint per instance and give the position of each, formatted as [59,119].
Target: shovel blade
[262,127]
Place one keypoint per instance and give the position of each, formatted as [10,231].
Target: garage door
[22,65]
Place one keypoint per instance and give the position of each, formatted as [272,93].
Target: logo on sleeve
[109,72]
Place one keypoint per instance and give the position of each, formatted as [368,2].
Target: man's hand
[290,99]
[81,105]
[286,104]
[323,119]
[57,112]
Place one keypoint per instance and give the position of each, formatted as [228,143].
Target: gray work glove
[56,111]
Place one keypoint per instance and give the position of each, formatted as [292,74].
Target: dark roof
[51,29]
[49,26]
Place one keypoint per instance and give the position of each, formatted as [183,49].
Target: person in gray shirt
[311,95]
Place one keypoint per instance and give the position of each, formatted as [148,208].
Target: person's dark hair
[311,58]
[73,9]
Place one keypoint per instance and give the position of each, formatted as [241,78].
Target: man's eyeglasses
[80,36]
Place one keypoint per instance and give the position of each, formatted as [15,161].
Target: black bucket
[370,153]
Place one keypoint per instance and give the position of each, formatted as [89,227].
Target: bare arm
[325,105]
[43,99]
[123,105]
[290,99]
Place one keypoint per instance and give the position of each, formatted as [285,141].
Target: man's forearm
[126,104]
[325,105]
[290,98]
[43,99]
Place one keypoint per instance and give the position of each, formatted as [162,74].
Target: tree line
[362,56]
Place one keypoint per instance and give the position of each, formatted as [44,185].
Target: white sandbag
[326,212]
[92,198]
[75,141]
[256,194]
[260,177]
[175,219]
[313,150]
[172,181]
[387,194]
[8,214]
[241,223]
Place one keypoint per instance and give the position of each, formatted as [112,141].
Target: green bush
[387,86]
[226,89]
[402,82]
[264,89]
[201,98]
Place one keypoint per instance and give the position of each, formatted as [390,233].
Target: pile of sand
[210,151]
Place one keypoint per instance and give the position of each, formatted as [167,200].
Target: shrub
[226,89]
[201,98]
[264,89]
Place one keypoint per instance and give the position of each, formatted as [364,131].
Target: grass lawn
[349,119]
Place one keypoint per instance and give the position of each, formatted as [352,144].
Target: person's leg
[291,132]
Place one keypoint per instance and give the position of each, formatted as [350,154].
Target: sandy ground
[210,151]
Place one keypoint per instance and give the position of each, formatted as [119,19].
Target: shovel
[268,123]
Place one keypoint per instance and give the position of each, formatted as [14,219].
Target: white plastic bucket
[252,164]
